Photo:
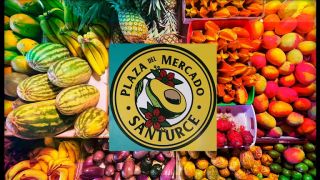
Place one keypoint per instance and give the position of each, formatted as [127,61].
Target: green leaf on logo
[165,124]
[149,107]
[143,110]
[156,73]
[177,82]
[139,89]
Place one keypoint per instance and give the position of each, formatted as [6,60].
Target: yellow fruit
[10,40]
[20,64]
[13,171]
[7,107]
[189,169]
[25,45]
[202,164]
[31,174]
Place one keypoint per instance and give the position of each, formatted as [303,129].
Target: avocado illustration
[169,99]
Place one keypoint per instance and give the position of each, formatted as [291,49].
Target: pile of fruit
[48,163]
[101,163]
[258,162]
[223,8]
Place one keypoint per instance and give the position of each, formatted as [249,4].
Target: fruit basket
[242,118]
[229,11]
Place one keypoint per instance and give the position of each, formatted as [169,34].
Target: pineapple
[133,26]
[171,4]
[117,36]
[168,39]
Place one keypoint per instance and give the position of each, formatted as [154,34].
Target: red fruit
[271,89]
[224,125]
[221,139]
[235,139]
[307,126]
[247,137]
[260,133]
[312,136]
[294,155]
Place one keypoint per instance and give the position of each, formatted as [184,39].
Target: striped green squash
[37,88]
[43,55]
[37,120]
[76,99]
[91,122]
[69,72]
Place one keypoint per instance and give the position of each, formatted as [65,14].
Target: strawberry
[235,138]
[224,125]
[221,139]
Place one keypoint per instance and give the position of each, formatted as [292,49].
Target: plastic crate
[187,20]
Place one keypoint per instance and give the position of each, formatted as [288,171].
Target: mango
[258,60]
[272,7]
[271,89]
[305,73]
[312,112]
[286,26]
[25,45]
[310,10]
[311,36]
[305,91]
[307,126]
[292,8]
[265,120]
[261,84]
[10,40]
[286,129]
[290,41]
[270,41]
[294,155]
[307,47]
[279,109]
[286,68]
[286,94]
[294,119]
[288,80]
[268,33]
[313,58]
[260,103]
[302,104]
[270,72]
[312,136]
[257,29]
[276,56]
[260,133]
[295,56]
[305,23]
[275,132]
[270,22]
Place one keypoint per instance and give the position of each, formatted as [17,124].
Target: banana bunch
[71,41]
[48,163]
[51,22]
[50,4]
[95,52]
[102,30]
[70,19]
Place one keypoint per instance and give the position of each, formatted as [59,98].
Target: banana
[44,166]
[107,42]
[31,173]
[63,153]
[32,154]
[63,173]
[68,17]
[49,151]
[46,4]
[99,31]
[72,172]
[44,158]
[89,56]
[102,50]
[47,30]
[90,35]
[97,56]
[56,24]
[104,24]
[50,166]
[60,163]
[75,147]
[70,47]
[23,165]
[57,4]
[71,153]
[36,166]
[55,12]
[71,36]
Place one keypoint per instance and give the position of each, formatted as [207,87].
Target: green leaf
[149,107]
[177,82]
[156,73]
[139,89]
[165,124]
[143,110]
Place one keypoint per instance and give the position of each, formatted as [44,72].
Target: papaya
[11,82]
[8,107]
[25,25]
[20,64]
[9,56]
[11,7]
[25,45]
[32,7]
[10,40]
[6,22]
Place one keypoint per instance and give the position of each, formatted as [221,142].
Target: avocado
[169,99]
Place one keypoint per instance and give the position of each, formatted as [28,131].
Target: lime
[313,172]
[283,177]
[296,175]
[309,147]
[275,168]
[286,172]
[287,165]
[307,177]
[301,167]
[312,156]
[308,163]
[279,147]
[274,154]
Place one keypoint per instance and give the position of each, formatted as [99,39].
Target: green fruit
[274,154]
[279,147]
[287,165]
[11,82]
[20,64]
[91,122]
[9,56]
[37,88]
[11,40]
[307,177]
[212,172]
[309,147]
[169,99]
[301,167]
[308,163]
[32,7]
[282,177]
[69,72]
[6,22]
[298,146]
[312,156]
[41,57]
[275,168]
[313,172]
[286,172]
[37,120]
[198,175]
[25,25]
[11,7]
[260,176]
[278,160]
[296,175]
[76,99]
